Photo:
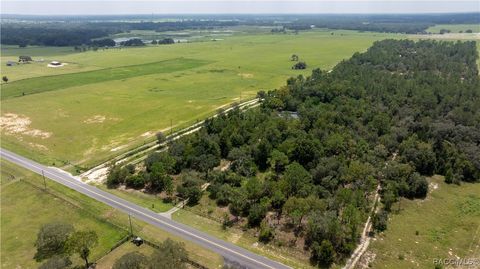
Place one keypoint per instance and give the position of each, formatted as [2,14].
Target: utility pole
[44,181]
[131,229]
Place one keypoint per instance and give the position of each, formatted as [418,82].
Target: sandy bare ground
[13,124]
[95,119]
[365,238]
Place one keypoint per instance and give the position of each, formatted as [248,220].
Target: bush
[191,190]
[135,182]
[380,221]
[323,253]
[256,214]
[299,65]
[266,233]
[132,260]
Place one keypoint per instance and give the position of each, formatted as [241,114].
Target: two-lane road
[227,250]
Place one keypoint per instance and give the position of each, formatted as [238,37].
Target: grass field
[25,207]
[107,261]
[149,201]
[448,225]
[454,28]
[51,83]
[81,119]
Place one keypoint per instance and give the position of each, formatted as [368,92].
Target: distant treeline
[50,34]
[76,34]
[409,24]
[80,30]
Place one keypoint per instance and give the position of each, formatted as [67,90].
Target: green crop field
[448,225]
[25,206]
[104,102]
[454,28]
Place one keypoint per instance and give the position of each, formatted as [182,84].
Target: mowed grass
[448,225]
[108,261]
[51,83]
[25,207]
[454,28]
[90,123]
[150,201]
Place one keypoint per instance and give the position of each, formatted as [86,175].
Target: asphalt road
[227,250]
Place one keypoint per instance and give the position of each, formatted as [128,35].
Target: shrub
[135,182]
[380,221]
[266,233]
[299,65]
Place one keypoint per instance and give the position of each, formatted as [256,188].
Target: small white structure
[55,64]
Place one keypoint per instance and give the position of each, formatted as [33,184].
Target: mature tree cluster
[299,65]
[156,177]
[390,116]
[166,41]
[134,42]
[169,254]
[106,42]
[57,242]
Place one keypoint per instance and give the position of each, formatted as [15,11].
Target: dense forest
[310,159]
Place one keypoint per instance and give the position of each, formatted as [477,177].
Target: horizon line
[242,13]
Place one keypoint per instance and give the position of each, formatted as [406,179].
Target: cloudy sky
[90,7]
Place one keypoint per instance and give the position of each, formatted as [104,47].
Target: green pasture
[25,206]
[454,28]
[87,117]
[448,226]
[51,83]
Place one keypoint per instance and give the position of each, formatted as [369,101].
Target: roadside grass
[205,217]
[50,83]
[90,123]
[448,225]
[23,210]
[454,28]
[107,261]
[150,201]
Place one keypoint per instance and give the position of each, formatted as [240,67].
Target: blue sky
[71,7]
